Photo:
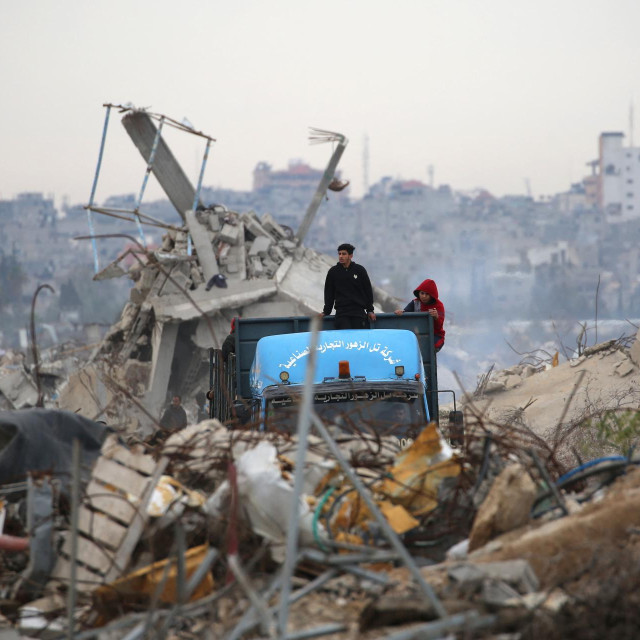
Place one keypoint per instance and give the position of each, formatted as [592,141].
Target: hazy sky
[487,91]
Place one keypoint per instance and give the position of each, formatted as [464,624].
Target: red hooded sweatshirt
[429,286]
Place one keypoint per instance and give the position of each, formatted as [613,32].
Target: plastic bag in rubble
[265,496]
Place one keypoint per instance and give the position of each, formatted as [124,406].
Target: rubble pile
[562,403]
[190,538]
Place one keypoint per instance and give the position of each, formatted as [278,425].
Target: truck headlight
[284,376]
[400,371]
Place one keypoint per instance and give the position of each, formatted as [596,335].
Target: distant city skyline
[490,94]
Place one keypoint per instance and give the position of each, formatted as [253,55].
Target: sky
[488,92]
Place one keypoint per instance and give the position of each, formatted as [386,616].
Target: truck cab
[379,381]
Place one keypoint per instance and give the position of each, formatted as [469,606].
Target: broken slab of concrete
[507,507]
[200,237]
[260,247]
[19,389]
[142,131]
[178,308]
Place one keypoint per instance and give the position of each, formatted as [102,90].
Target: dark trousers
[351,322]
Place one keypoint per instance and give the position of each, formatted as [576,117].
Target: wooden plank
[119,476]
[138,461]
[91,554]
[102,529]
[136,528]
[110,502]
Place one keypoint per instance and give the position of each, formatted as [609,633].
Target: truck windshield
[397,413]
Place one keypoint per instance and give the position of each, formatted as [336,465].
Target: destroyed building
[218,265]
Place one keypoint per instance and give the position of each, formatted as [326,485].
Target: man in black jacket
[348,288]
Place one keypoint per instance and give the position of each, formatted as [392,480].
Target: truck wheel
[456,428]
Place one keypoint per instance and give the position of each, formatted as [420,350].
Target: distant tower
[430,171]
[365,164]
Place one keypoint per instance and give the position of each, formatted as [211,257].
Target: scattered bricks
[260,247]
[229,234]
[507,506]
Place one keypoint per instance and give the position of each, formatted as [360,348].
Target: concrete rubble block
[270,266]
[253,226]
[214,223]
[179,280]
[496,593]
[19,389]
[256,266]
[180,246]
[223,252]
[516,573]
[507,506]
[288,245]
[276,254]
[624,368]
[269,223]
[196,276]
[229,234]
[528,370]
[602,346]
[494,386]
[634,352]
[512,381]
[85,392]
[260,247]
[200,237]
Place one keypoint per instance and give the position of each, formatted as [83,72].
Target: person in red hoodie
[426,300]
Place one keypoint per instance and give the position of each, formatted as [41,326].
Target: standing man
[348,288]
[175,417]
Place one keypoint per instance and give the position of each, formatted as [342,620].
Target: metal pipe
[389,533]
[327,177]
[96,262]
[304,422]
[550,483]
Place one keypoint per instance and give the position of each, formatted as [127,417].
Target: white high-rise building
[618,178]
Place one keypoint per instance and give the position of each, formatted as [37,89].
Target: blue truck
[381,380]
